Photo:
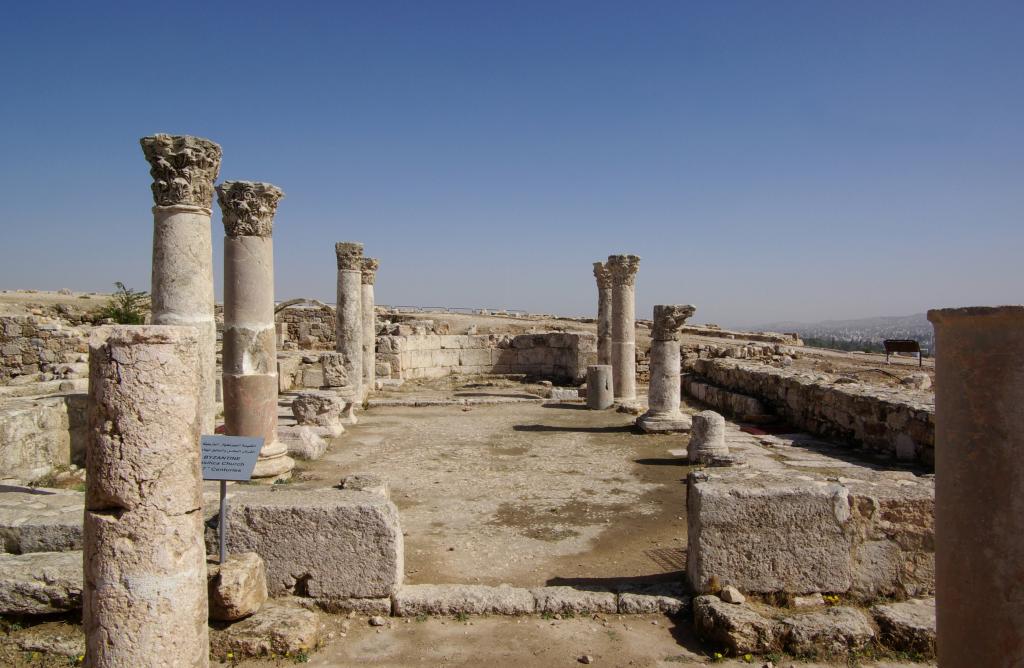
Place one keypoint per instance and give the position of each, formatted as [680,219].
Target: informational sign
[229,457]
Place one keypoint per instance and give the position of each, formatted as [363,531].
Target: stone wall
[310,326]
[37,435]
[897,422]
[32,344]
[561,356]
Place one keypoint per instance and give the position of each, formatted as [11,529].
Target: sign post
[228,458]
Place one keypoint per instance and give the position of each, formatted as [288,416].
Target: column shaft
[250,336]
[349,316]
[623,269]
[979,474]
[604,313]
[183,170]
[369,320]
[144,594]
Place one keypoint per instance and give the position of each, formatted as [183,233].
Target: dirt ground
[525,494]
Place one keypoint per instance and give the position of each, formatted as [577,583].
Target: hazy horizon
[775,162]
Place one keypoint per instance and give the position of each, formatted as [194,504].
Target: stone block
[577,601]
[238,588]
[36,520]
[475,357]
[737,628]
[908,626]
[413,600]
[312,378]
[334,371]
[324,544]
[833,632]
[453,341]
[801,533]
[445,358]
[363,482]
[478,341]
[40,583]
[658,598]
[279,628]
[304,442]
[323,409]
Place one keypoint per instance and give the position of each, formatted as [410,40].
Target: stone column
[707,440]
[623,269]
[369,317]
[183,170]
[979,474]
[604,313]
[250,337]
[144,595]
[663,414]
[349,315]
[599,387]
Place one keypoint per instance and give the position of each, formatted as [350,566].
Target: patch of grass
[422,617]
[547,615]
[283,481]
[462,617]
[300,657]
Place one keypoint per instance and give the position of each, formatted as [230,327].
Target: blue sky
[768,160]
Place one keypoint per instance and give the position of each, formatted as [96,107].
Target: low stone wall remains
[41,434]
[560,356]
[897,422]
[31,344]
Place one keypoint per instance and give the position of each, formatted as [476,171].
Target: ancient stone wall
[561,356]
[310,327]
[38,435]
[897,422]
[32,344]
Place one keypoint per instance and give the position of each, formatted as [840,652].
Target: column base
[664,424]
[273,463]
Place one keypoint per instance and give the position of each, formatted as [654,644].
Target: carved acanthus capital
[183,169]
[603,276]
[370,265]
[350,256]
[248,207]
[623,268]
[669,319]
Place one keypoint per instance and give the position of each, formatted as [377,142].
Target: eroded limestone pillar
[183,170]
[249,355]
[604,313]
[663,395]
[979,475]
[144,595]
[600,394]
[707,438]
[369,319]
[349,316]
[623,270]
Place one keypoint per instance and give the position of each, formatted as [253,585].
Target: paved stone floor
[526,494]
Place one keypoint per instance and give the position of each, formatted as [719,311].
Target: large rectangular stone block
[475,357]
[323,544]
[782,536]
[445,358]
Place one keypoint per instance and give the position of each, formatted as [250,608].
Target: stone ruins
[763,499]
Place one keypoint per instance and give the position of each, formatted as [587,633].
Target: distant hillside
[860,334]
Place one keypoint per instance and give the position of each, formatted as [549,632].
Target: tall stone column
[144,595]
[349,317]
[183,170]
[663,414]
[370,266]
[623,270]
[604,313]
[979,474]
[250,337]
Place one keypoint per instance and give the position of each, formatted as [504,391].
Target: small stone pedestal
[600,393]
[707,438]
[663,414]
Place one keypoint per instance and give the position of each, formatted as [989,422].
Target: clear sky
[768,160]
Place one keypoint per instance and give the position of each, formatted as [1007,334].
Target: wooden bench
[903,346]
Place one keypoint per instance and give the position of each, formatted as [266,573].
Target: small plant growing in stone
[422,617]
[126,306]
[462,617]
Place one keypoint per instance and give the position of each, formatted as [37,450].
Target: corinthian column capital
[669,319]
[603,275]
[350,256]
[623,268]
[369,269]
[248,207]
[183,169]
